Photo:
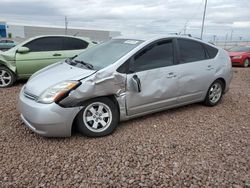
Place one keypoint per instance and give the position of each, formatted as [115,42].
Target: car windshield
[107,53]
[240,49]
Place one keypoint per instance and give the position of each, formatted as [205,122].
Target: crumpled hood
[7,55]
[54,74]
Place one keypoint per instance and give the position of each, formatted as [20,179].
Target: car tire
[7,77]
[214,93]
[98,118]
[246,63]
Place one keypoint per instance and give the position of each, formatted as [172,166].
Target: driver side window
[45,44]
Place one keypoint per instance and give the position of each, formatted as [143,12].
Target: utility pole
[66,25]
[214,38]
[226,41]
[203,20]
[185,28]
[231,38]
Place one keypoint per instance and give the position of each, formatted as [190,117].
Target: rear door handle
[56,54]
[171,75]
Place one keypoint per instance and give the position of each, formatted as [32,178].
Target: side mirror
[23,50]
[136,83]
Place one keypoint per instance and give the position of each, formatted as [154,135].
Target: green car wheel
[7,77]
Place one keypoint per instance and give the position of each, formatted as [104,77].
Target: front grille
[30,96]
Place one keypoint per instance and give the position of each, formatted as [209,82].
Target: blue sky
[224,17]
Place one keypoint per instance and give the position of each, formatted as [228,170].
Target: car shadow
[121,126]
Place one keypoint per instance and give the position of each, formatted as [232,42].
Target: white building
[20,33]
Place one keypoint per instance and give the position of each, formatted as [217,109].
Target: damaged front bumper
[49,120]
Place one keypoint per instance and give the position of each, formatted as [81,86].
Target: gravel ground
[192,146]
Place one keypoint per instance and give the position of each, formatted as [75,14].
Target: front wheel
[214,93]
[98,118]
[7,77]
[246,63]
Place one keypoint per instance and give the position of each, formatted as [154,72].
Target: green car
[21,61]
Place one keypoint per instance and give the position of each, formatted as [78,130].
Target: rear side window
[155,56]
[45,44]
[212,52]
[74,44]
[191,51]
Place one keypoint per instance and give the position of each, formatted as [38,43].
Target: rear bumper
[48,120]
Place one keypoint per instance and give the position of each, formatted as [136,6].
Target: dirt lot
[189,146]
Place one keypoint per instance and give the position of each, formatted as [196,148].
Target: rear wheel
[214,93]
[246,63]
[7,77]
[98,118]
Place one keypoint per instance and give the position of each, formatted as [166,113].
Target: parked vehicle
[6,44]
[123,79]
[21,61]
[240,56]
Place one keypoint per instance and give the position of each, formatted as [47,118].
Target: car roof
[71,36]
[151,38]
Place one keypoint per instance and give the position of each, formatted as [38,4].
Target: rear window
[212,52]
[74,44]
[191,51]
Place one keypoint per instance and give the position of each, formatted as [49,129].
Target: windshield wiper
[88,65]
[70,61]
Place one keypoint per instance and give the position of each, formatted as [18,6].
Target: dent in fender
[103,83]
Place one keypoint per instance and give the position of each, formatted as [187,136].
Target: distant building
[3,32]
[19,32]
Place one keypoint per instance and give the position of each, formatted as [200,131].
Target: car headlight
[237,57]
[58,92]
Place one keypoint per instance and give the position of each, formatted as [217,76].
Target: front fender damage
[98,85]
[8,61]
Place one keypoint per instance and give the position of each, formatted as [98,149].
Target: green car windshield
[107,53]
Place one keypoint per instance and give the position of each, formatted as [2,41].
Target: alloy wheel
[5,78]
[246,63]
[97,117]
[215,92]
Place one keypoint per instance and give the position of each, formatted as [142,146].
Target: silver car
[122,79]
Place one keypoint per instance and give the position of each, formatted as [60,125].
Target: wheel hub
[5,78]
[215,93]
[97,117]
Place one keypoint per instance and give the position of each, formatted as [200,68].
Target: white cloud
[129,17]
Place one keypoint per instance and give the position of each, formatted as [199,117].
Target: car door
[196,71]
[42,52]
[155,78]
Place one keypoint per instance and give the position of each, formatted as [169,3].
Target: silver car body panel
[49,120]
[53,75]
[183,84]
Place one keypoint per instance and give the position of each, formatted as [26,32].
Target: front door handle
[171,75]
[137,83]
[56,54]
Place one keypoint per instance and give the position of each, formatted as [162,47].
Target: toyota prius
[122,79]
